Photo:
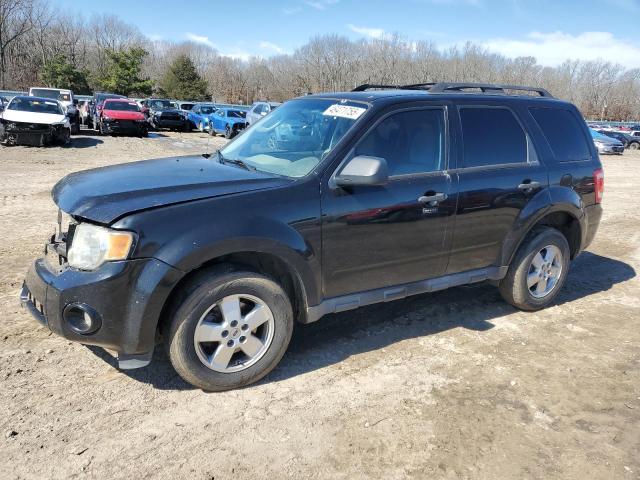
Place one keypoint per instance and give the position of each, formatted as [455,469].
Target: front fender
[550,200]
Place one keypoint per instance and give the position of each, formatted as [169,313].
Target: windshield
[101,97]
[123,106]
[598,136]
[186,106]
[35,105]
[236,114]
[160,104]
[52,94]
[206,110]
[296,137]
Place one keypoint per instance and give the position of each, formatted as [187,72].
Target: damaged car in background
[34,121]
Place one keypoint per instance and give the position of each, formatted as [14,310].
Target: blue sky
[550,30]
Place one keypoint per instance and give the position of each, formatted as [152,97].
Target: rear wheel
[228,133]
[634,146]
[538,271]
[201,126]
[229,329]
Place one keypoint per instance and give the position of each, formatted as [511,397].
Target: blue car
[227,121]
[199,115]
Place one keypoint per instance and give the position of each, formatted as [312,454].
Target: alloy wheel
[234,333]
[545,271]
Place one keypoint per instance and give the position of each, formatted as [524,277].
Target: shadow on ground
[339,336]
[83,142]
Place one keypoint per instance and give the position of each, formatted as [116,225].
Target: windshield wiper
[234,161]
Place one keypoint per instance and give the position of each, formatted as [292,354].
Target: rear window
[491,136]
[564,134]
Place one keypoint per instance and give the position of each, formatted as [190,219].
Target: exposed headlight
[92,246]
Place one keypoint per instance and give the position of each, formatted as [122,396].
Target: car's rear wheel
[538,271]
[228,329]
[228,133]
[634,146]
[201,126]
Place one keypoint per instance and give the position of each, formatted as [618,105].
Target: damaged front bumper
[116,306]
[32,134]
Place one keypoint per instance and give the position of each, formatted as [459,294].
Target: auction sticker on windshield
[344,111]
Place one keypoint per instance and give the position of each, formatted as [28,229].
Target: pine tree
[58,72]
[123,74]
[182,81]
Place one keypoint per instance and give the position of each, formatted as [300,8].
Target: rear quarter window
[563,132]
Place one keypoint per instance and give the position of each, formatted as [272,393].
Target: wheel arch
[564,212]
[263,262]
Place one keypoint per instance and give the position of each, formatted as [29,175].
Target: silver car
[259,110]
[606,144]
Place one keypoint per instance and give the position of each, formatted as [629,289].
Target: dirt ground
[453,385]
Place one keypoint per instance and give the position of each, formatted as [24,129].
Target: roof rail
[499,88]
[451,87]
[371,86]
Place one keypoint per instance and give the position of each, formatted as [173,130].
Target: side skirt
[388,294]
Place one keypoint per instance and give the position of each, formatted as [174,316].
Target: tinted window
[124,106]
[563,132]
[491,136]
[410,142]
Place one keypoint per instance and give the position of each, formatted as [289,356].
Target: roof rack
[451,87]
[499,88]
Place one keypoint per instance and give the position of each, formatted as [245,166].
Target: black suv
[163,114]
[331,202]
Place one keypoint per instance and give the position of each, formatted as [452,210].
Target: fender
[187,236]
[550,200]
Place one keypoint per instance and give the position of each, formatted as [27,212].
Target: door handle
[526,186]
[433,199]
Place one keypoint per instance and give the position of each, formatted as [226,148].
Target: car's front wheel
[538,271]
[228,133]
[228,328]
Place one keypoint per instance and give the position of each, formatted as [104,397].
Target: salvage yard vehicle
[200,115]
[227,121]
[162,114]
[259,110]
[66,99]
[34,121]
[95,107]
[606,144]
[332,202]
[627,140]
[122,116]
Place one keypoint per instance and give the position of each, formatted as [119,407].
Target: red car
[122,116]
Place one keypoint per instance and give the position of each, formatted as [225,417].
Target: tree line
[39,45]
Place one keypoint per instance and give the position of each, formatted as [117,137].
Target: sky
[550,30]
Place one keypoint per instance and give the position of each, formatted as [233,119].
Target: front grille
[170,117]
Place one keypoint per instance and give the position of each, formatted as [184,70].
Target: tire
[634,146]
[201,297]
[200,127]
[515,286]
[228,133]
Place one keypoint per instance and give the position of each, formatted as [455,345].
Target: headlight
[92,246]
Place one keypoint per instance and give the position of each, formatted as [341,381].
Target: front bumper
[30,134]
[125,126]
[610,149]
[161,122]
[128,296]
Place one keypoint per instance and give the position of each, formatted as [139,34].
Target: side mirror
[363,170]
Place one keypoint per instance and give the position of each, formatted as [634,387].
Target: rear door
[498,174]
[380,236]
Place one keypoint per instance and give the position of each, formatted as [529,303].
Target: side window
[411,142]
[196,109]
[564,134]
[491,136]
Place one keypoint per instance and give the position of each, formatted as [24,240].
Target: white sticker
[344,111]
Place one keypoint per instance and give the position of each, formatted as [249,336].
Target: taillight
[598,183]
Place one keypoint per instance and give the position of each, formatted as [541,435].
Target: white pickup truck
[65,97]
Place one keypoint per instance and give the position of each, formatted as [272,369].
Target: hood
[106,194]
[234,120]
[607,140]
[123,114]
[31,117]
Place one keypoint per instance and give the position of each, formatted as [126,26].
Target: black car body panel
[342,247]
[105,194]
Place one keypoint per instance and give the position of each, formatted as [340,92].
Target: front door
[380,236]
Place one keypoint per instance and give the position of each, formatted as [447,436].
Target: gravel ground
[452,385]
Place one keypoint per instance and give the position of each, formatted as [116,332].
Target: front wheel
[634,146]
[538,271]
[228,329]
[228,133]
